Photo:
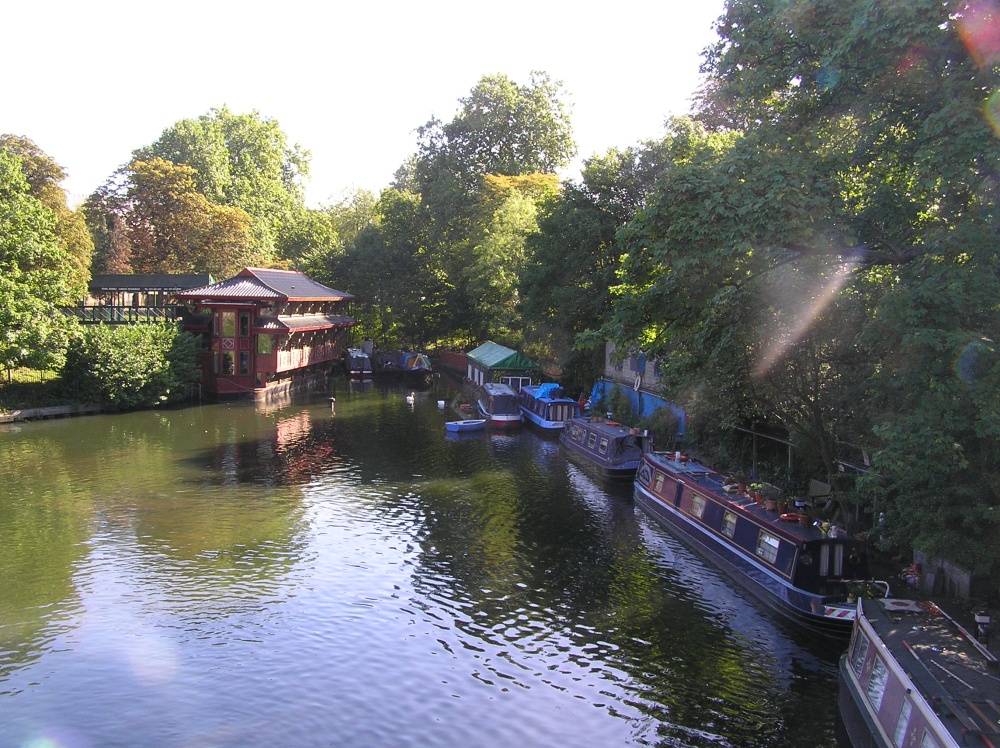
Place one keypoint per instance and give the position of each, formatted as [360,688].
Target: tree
[819,269]
[174,228]
[240,161]
[32,279]
[44,176]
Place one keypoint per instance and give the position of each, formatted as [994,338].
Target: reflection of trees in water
[542,572]
[44,525]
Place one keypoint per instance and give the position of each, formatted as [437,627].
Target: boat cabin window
[902,723]
[592,440]
[603,449]
[859,654]
[729,524]
[831,560]
[876,684]
[928,741]
[767,547]
[658,483]
[697,506]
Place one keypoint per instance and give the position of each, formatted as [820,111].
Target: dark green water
[227,575]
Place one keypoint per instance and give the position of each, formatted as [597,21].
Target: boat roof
[694,473]
[495,356]
[604,426]
[498,388]
[952,671]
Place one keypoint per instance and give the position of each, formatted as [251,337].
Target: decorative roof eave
[287,324]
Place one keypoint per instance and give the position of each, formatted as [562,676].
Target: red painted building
[266,331]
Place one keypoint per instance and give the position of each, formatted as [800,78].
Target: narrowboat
[792,565]
[611,449]
[498,404]
[546,406]
[413,368]
[357,364]
[913,676]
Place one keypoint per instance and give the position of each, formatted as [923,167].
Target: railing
[120,315]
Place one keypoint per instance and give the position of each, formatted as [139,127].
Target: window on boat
[592,441]
[831,560]
[876,684]
[697,506]
[729,524]
[928,741]
[604,445]
[767,547]
[859,654]
[902,723]
[658,483]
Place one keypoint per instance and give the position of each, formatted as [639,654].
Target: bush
[131,366]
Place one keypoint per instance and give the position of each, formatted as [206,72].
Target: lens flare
[808,311]
[979,29]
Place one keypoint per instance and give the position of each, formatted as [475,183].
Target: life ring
[638,382]
[791,517]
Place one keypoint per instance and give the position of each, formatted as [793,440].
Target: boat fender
[638,382]
[791,517]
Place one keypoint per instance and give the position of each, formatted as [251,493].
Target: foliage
[33,333]
[821,252]
[44,175]
[241,161]
[131,366]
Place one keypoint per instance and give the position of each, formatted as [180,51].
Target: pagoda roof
[259,284]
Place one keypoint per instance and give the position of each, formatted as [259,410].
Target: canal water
[232,575]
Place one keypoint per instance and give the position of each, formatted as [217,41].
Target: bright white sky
[89,82]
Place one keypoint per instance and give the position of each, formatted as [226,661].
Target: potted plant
[770,494]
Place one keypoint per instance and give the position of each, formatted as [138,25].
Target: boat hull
[606,448]
[469,424]
[770,589]
[800,572]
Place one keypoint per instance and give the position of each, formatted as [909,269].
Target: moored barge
[498,404]
[612,450]
[913,676]
[796,567]
[546,406]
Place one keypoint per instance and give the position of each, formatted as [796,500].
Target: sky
[89,82]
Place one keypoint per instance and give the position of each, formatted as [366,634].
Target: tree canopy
[33,281]
[826,263]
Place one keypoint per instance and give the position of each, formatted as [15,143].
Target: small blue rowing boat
[469,424]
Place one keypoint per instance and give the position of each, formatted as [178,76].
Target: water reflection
[308,575]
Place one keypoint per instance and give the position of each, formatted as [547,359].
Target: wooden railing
[120,315]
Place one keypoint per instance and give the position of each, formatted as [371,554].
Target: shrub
[131,366]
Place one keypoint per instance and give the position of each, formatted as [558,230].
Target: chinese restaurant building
[266,332]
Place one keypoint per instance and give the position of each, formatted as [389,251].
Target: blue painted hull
[771,581]
[609,449]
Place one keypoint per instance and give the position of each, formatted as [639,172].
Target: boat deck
[958,677]
[694,472]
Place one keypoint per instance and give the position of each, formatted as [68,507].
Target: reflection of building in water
[266,332]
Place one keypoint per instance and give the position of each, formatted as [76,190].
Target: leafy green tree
[131,366]
[44,176]
[820,269]
[240,161]
[503,129]
[33,332]
[174,228]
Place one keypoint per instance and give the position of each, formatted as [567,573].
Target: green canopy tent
[491,362]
